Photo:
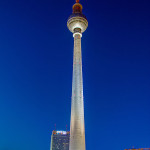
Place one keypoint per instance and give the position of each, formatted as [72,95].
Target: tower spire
[77,7]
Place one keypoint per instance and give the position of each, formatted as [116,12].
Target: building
[77,24]
[138,149]
[60,140]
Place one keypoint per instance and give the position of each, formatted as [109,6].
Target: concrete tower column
[77,131]
[77,24]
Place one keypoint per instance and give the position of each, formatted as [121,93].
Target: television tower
[77,24]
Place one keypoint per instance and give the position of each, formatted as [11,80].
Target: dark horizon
[36,57]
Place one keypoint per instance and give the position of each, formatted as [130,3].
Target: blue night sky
[36,55]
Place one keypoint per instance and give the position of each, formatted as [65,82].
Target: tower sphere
[77,22]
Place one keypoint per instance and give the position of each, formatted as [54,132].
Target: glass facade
[138,149]
[60,140]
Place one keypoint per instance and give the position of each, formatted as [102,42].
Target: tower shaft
[77,130]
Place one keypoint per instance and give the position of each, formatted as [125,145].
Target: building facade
[60,140]
[138,149]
